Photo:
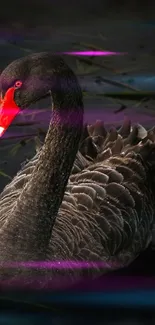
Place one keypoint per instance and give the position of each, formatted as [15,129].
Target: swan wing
[108,208]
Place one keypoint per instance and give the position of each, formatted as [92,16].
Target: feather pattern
[94,205]
[107,213]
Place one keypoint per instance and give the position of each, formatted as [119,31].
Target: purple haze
[94,53]
[62,264]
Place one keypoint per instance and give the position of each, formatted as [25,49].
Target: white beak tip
[1,130]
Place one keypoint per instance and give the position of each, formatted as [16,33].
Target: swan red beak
[8,110]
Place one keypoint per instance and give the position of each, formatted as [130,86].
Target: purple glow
[95,53]
[42,120]
[83,284]
[62,265]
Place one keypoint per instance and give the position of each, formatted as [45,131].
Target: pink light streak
[61,265]
[95,53]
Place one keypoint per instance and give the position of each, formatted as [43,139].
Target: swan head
[31,76]
[27,80]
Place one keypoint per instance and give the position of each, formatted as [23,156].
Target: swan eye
[18,84]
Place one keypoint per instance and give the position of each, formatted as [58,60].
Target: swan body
[105,208]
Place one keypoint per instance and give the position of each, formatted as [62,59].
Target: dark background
[126,25]
[32,13]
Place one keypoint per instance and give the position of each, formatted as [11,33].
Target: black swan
[104,210]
